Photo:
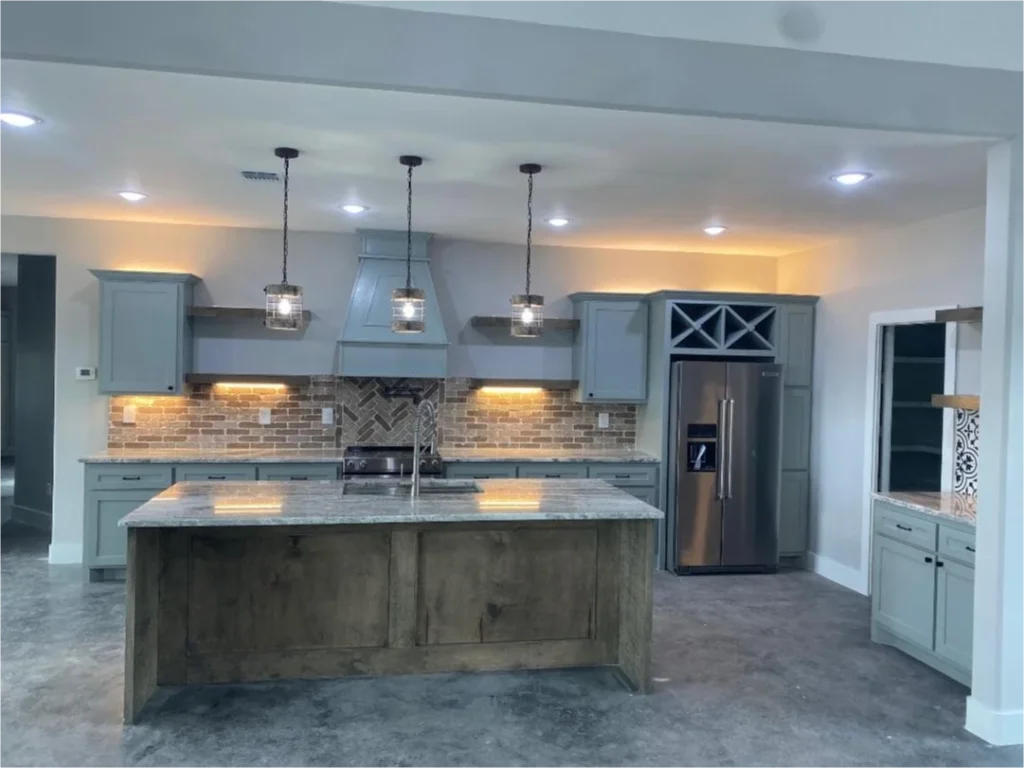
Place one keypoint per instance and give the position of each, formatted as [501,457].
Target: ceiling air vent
[260,176]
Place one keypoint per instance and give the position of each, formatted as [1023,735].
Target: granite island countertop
[250,503]
[955,506]
[336,456]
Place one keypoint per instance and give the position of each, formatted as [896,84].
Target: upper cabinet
[795,344]
[145,332]
[610,353]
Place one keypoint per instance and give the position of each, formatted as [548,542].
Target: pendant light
[284,301]
[528,308]
[408,304]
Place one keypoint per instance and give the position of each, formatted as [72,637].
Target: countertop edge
[970,522]
[337,458]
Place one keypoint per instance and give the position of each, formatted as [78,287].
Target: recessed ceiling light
[714,231]
[851,178]
[132,197]
[558,221]
[354,209]
[19,119]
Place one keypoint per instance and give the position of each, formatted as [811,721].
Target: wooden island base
[246,603]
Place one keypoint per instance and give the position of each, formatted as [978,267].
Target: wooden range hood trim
[248,378]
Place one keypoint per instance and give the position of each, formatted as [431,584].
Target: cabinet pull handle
[555,475]
[299,477]
[969,549]
[623,477]
[904,527]
[939,563]
[927,559]
[217,477]
[133,477]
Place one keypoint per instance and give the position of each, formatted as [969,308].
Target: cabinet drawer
[956,544]
[99,477]
[555,471]
[625,474]
[213,472]
[912,530]
[480,470]
[646,495]
[297,472]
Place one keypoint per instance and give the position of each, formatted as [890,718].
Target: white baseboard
[843,575]
[65,553]
[995,727]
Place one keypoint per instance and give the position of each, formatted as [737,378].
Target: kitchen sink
[428,487]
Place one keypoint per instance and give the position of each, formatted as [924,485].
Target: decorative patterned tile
[965,471]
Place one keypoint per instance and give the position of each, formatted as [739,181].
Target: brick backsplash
[219,416]
[472,418]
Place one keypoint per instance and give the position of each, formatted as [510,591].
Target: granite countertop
[955,506]
[611,456]
[336,455]
[188,504]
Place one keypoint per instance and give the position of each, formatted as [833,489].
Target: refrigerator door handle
[722,448]
[728,466]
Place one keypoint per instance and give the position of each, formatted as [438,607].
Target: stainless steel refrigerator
[728,418]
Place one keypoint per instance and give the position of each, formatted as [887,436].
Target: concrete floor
[751,670]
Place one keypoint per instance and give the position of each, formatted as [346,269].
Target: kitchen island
[244,581]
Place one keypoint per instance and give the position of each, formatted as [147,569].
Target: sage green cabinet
[796,428]
[145,332]
[296,472]
[903,596]
[556,470]
[922,599]
[795,344]
[475,470]
[610,353]
[793,503]
[202,473]
[954,612]
[646,495]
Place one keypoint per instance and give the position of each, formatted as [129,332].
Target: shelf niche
[237,313]
[963,402]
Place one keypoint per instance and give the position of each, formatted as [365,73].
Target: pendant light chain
[529,228]
[284,261]
[408,230]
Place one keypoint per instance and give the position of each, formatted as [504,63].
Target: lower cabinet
[474,470]
[290,472]
[793,500]
[646,495]
[106,544]
[922,600]
[954,612]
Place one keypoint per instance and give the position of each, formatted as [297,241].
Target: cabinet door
[615,351]
[903,591]
[793,500]
[141,325]
[795,344]
[796,428]
[954,612]
[106,544]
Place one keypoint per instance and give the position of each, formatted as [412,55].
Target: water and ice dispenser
[701,447]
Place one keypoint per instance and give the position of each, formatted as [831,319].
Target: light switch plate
[326,415]
[128,417]
[602,421]
[264,415]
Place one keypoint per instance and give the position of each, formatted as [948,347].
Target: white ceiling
[962,33]
[627,180]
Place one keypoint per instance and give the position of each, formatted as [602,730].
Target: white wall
[235,264]
[928,264]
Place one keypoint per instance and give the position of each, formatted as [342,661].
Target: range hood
[368,346]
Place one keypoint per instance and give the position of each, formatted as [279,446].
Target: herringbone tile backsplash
[367,412]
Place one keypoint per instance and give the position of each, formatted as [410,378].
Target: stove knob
[362,463]
[350,464]
[435,463]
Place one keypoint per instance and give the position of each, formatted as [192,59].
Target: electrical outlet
[129,415]
[326,415]
[84,373]
[264,416]
[602,421]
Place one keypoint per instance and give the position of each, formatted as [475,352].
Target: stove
[387,461]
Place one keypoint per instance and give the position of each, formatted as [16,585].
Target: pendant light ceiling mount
[408,304]
[528,308]
[284,301]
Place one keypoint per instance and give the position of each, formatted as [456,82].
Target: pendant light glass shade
[528,308]
[284,301]
[527,315]
[408,304]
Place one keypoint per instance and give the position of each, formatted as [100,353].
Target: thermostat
[85,374]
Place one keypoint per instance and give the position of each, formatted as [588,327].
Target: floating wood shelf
[541,383]
[963,402]
[959,315]
[550,323]
[237,313]
[247,378]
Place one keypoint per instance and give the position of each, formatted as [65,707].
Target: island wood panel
[204,607]
[252,590]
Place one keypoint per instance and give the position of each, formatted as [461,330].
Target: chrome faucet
[425,411]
